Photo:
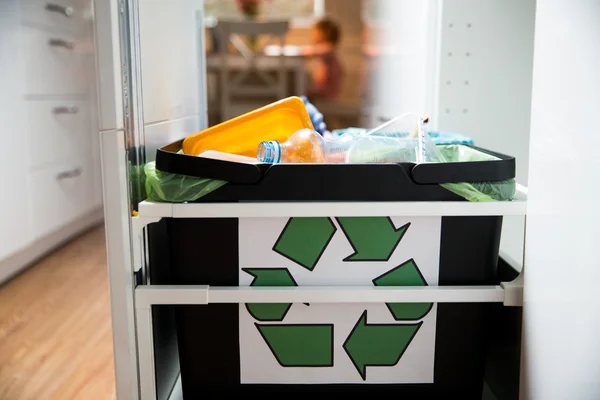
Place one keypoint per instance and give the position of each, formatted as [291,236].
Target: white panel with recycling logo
[338,343]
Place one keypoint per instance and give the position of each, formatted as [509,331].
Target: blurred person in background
[327,72]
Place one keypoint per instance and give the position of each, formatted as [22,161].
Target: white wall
[170,70]
[561,332]
[486,61]
[403,81]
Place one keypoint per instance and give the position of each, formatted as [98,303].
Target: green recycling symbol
[303,241]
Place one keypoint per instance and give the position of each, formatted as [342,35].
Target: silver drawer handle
[74,173]
[65,110]
[59,8]
[61,43]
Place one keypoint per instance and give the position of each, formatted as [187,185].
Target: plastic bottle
[304,146]
[380,149]
[337,147]
[307,146]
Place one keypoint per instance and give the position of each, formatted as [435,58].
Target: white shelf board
[322,209]
[201,294]
[343,209]
[155,209]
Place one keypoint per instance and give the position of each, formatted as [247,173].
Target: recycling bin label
[338,343]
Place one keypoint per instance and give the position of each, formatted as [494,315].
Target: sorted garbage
[283,132]
[177,188]
[367,147]
[304,146]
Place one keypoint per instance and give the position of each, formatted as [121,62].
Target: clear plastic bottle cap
[269,152]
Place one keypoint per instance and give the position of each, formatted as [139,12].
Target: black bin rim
[169,160]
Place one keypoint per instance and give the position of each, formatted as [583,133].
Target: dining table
[294,61]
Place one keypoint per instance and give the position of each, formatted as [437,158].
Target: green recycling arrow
[372,238]
[303,240]
[378,345]
[406,274]
[308,345]
[269,277]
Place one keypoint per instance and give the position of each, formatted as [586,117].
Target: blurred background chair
[251,78]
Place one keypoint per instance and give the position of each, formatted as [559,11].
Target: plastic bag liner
[174,188]
[475,191]
[137,179]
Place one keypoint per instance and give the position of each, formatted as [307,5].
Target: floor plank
[55,330]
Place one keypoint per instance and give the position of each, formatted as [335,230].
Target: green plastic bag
[136,184]
[476,191]
[174,188]
[483,191]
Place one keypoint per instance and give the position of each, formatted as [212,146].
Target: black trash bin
[409,350]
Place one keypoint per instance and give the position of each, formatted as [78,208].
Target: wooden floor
[55,331]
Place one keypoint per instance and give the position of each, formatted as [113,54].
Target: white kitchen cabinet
[13,206]
[55,130]
[53,63]
[60,194]
[49,156]
[64,15]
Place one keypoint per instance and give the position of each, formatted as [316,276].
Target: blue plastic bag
[315,116]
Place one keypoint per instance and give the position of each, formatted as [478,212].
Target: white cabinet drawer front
[59,195]
[57,130]
[55,64]
[70,15]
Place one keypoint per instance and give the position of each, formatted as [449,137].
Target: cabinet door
[169,57]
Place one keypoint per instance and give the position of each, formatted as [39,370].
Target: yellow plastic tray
[242,135]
